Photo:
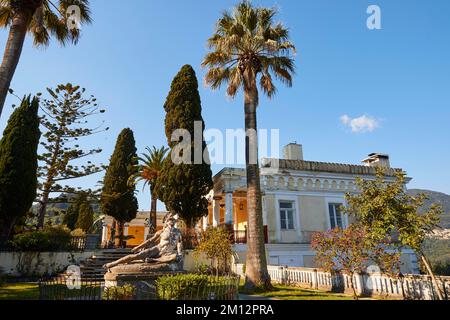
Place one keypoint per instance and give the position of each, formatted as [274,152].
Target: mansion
[298,198]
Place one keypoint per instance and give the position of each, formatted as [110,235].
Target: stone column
[104,233]
[216,212]
[229,208]
[315,280]
[205,223]
[125,232]
[359,283]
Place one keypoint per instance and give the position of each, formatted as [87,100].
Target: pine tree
[65,120]
[117,198]
[18,165]
[85,216]
[183,186]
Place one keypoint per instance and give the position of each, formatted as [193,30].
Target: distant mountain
[439,198]
[56,211]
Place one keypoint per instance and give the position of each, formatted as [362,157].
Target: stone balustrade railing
[417,287]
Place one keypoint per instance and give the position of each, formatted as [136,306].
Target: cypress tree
[18,165]
[183,186]
[85,216]
[117,199]
[71,215]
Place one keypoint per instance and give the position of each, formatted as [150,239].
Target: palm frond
[5,14]
[247,37]
[267,85]
[216,76]
[57,27]
[49,19]
[149,166]
[235,82]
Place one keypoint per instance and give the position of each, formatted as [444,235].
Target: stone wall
[191,261]
[38,264]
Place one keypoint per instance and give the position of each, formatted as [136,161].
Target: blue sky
[399,76]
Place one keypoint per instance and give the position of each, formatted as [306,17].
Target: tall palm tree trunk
[256,263]
[154,201]
[12,53]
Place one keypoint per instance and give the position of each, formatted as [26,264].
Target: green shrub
[49,239]
[216,244]
[196,287]
[442,268]
[31,241]
[181,287]
[125,292]
[203,268]
[59,237]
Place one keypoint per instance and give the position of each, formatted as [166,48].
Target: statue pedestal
[142,276]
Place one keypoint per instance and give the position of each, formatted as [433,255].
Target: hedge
[46,240]
[197,287]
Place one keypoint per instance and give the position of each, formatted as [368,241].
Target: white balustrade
[370,284]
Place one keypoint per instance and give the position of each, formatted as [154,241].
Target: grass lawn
[19,291]
[281,292]
[30,291]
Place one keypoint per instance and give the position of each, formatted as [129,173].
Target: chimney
[377,160]
[293,151]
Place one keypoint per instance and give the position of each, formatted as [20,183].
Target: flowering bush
[351,251]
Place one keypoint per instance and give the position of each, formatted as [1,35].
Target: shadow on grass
[293,293]
[19,291]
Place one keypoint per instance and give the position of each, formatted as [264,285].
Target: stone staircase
[92,267]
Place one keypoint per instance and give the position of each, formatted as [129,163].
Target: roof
[301,165]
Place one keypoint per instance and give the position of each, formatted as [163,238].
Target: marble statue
[164,247]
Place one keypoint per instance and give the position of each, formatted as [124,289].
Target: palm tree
[148,170]
[42,19]
[246,46]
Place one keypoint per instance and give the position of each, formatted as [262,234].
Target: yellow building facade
[298,198]
[137,228]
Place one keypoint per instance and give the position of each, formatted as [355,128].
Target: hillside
[436,197]
[56,211]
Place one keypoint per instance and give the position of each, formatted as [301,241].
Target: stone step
[84,270]
[92,267]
